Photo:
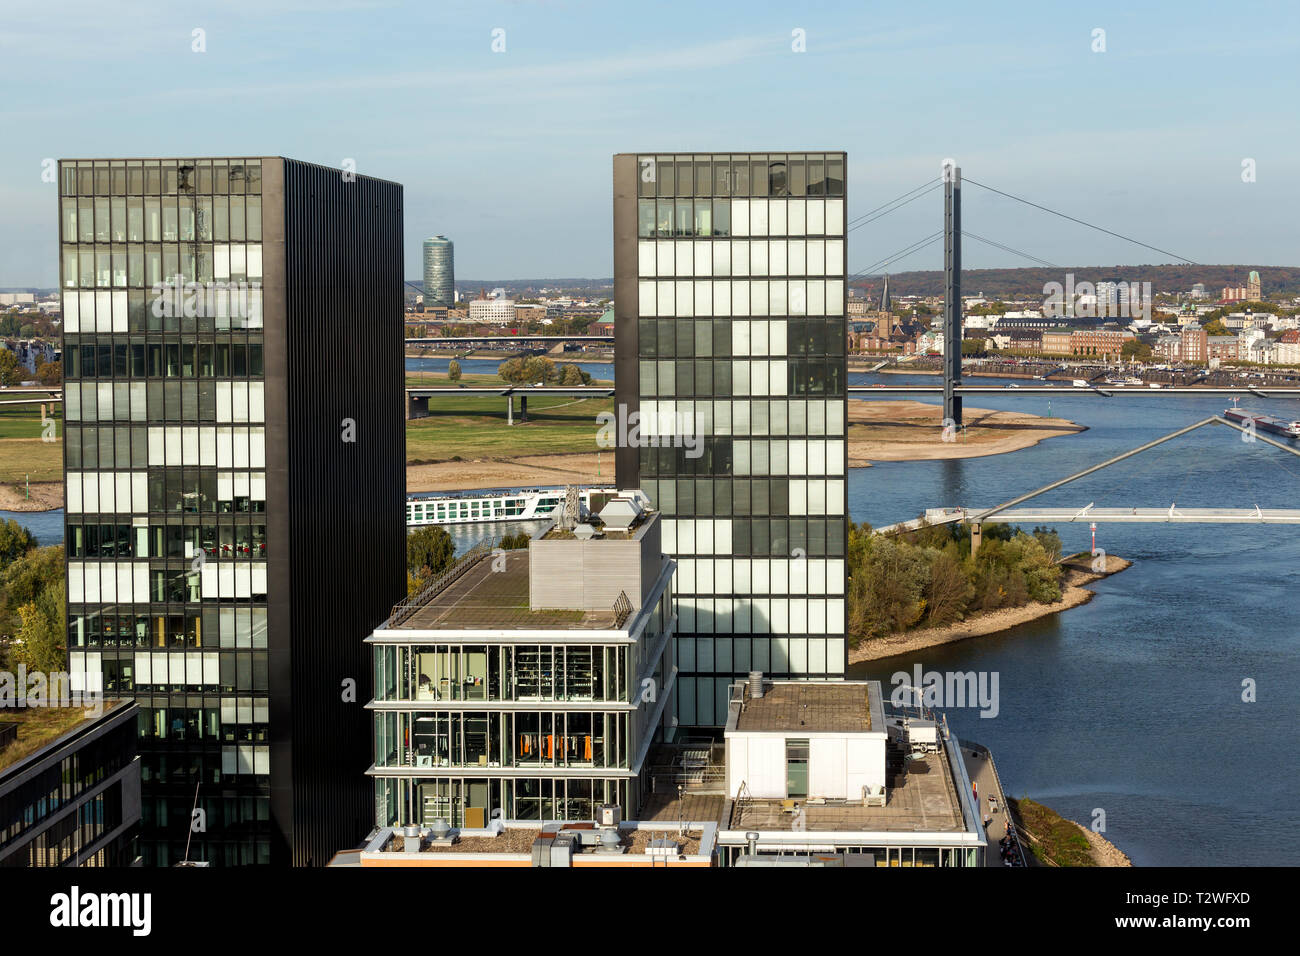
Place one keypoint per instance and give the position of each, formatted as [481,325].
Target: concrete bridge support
[976,536]
[416,407]
[510,409]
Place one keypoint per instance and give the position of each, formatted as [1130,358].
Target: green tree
[948,591]
[513,371]
[428,550]
[886,594]
[538,368]
[15,541]
[1051,542]
[1133,350]
[28,577]
[11,373]
[573,376]
[34,588]
[453,371]
[39,642]
[50,373]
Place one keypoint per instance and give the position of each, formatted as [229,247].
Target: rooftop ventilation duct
[411,839]
[620,514]
[610,841]
[755,684]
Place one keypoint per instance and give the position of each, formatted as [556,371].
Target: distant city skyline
[517,170]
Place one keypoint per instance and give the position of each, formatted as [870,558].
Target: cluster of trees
[429,551]
[32,590]
[928,578]
[12,373]
[1232,307]
[27,325]
[1135,351]
[49,373]
[538,368]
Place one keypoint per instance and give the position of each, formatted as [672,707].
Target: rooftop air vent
[610,841]
[620,514]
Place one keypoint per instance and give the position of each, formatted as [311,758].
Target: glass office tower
[234,477]
[439,272]
[729,291]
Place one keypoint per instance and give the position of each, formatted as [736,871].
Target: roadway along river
[1131,704]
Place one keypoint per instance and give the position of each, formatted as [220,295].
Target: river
[1131,704]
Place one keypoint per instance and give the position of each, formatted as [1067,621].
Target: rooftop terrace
[923,798]
[492,594]
[38,727]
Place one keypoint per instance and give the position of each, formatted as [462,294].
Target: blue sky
[509,153]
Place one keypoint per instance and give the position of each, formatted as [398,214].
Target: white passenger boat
[495,504]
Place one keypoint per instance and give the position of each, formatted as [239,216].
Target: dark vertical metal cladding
[336,482]
[627,466]
[952,293]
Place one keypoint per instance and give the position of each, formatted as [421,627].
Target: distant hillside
[515,286]
[1028,283]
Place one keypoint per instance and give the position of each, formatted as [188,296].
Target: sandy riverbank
[878,430]
[913,431]
[1073,593]
[524,472]
[45,495]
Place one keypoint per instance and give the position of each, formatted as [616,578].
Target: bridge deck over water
[1172,514]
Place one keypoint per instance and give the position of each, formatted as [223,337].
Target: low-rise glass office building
[527,684]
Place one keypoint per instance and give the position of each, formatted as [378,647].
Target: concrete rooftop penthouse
[559,582]
[828,708]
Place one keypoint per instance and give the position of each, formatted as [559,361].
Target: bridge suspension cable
[1082,222]
[1005,248]
[925,189]
[896,256]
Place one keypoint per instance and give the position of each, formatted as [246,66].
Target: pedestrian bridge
[1173,514]
[1016,510]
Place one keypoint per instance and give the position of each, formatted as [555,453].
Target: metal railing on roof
[622,608]
[404,609]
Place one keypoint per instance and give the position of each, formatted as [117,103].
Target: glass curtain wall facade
[730,278]
[165,464]
[224,320]
[439,272]
[541,726]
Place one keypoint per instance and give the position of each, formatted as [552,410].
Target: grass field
[22,452]
[456,428]
[476,428]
